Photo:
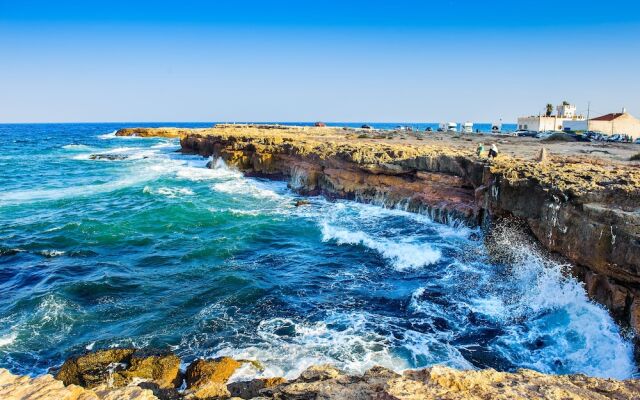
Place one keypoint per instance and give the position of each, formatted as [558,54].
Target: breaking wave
[402,254]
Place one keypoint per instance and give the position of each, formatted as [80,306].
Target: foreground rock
[119,367]
[208,378]
[326,382]
[45,387]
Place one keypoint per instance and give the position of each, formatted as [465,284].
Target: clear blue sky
[322,60]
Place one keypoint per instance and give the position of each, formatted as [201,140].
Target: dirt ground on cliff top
[519,147]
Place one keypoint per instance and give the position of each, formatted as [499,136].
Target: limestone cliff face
[586,209]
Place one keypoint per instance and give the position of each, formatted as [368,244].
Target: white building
[539,123]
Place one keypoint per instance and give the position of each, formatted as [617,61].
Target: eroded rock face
[119,367]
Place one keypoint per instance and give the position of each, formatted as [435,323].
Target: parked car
[580,138]
[637,141]
[614,138]
[525,133]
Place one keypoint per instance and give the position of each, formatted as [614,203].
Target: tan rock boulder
[207,379]
[118,367]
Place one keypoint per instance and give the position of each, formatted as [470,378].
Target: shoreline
[581,201]
[123,373]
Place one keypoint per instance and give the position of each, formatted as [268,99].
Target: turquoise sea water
[154,250]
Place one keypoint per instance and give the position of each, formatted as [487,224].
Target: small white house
[539,123]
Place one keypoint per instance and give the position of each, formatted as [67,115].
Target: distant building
[612,123]
[539,123]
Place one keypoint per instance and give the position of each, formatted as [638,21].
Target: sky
[348,61]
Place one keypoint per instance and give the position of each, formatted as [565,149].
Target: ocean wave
[245,187]
[35,195]
[110,135]
[77,147]
[169,192]
[51,253]
[402,254]
[543,317]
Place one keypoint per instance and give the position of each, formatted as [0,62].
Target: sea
[110,241]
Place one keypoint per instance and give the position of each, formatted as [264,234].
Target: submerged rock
[110,157]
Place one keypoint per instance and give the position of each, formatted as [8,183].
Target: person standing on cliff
[480,149]
[493,151]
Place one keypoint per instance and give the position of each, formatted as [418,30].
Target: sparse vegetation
[635,157]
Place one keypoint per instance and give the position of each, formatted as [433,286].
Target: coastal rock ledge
[581,200]
[152,377]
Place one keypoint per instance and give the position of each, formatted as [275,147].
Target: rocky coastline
[133,374]
[579,205]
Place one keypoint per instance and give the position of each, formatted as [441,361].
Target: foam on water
[77,147]
[8,339]
[169,192]
[403,254]
[110,135]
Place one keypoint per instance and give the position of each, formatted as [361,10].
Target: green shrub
[635,157]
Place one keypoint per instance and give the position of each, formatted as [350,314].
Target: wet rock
[118,367]
[301,203]
[254,388]
[110,157]
[207,378]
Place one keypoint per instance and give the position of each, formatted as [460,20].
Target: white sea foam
[77,147]
[401,253]
[170,192]
[110,135]
[288,347]
[8,339]
[245,187]
[51,253]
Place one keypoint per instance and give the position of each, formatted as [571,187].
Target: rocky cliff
[581,206]
[125,374]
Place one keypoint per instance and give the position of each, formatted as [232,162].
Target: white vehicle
[466,127]
[448,127]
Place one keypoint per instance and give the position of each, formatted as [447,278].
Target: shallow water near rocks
[150,249]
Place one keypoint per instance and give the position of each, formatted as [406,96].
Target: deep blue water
[154,250]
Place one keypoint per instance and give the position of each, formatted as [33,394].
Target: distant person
[493,151]
[480,149]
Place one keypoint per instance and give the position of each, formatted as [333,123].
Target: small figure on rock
[480,149]
[493,151]
[302,203]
